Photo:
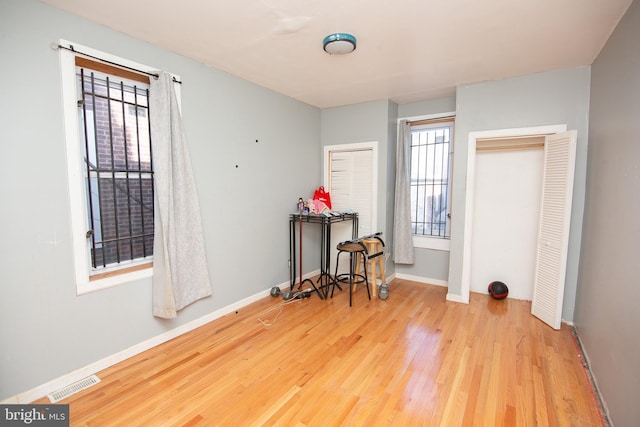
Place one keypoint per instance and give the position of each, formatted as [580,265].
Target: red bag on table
[323,196]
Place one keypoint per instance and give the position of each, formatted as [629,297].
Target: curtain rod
[154,75]
[434,120]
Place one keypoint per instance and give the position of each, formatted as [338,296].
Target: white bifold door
[351,181]
[554,224]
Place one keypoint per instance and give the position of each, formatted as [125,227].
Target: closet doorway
[508,177]
[552,240]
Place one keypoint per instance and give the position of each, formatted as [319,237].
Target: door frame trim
[470,192]
[357,146]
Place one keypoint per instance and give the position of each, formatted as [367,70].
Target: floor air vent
[73,388]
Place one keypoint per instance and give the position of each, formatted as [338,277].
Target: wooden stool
[375,262]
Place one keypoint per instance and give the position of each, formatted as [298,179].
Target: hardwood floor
[411,360]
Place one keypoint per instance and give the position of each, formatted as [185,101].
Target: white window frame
[427,242]
[77,198]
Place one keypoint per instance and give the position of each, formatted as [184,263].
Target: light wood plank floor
[411,360]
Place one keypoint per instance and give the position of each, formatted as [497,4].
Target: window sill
[114,278]
[424,242]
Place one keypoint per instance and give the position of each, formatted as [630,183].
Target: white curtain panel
[403,252]
[180,272]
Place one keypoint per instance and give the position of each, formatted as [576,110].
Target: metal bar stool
[357,248]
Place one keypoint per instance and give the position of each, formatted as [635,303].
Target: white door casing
[465,279]
[351,177]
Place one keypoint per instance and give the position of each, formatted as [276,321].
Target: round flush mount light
[339,43]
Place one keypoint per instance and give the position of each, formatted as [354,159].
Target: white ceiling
[408,50]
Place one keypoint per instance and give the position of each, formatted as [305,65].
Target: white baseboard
[437,282]
[297,279]
[70,378]
[420,279]
[457,298]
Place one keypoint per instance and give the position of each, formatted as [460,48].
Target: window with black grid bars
[430,177]
[114,117]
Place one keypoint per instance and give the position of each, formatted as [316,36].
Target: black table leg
[292,253]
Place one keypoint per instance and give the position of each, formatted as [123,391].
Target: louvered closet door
[351,185]
[553,233]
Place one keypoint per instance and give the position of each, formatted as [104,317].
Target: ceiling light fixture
[339,43]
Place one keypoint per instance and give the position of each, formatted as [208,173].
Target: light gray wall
[429,263]
[377,121]
[46,330]
[429,106]
[367,122]
[607,313]
[555,97]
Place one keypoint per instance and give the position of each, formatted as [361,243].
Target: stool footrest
[344,278]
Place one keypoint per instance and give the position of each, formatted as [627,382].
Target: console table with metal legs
[325,279]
